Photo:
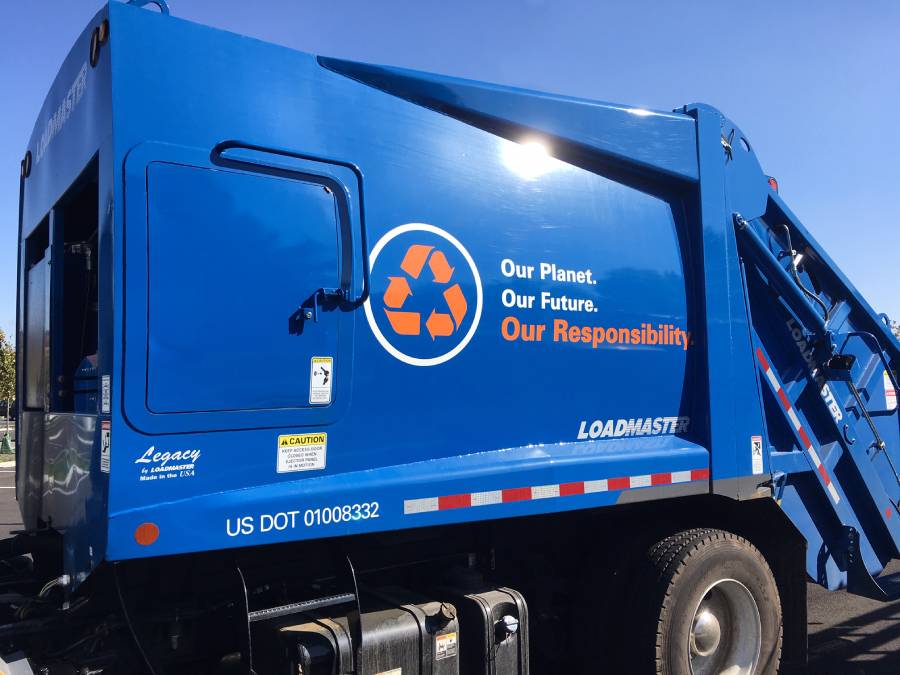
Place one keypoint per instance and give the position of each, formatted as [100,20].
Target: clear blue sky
[814,85]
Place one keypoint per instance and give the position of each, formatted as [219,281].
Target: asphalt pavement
[9,509]
[848,635]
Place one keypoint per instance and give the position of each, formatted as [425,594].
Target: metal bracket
[162,4]
[300,607]
[859,580]
[310,308]
[726,145]
[354,618]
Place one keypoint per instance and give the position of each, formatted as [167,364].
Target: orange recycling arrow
[397,292]
[414,260]
[456,301]
[440,268]
[405,323]
[439,325]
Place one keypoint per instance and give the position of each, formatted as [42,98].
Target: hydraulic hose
[812,296]
[779,279]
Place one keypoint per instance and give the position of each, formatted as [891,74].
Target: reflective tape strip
[596,486]
[794,419]
[420,505]
[640,481]
[545,492]
[521,494]
[487,498]
[773,380]
[781,395]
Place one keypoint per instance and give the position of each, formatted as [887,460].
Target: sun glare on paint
[529,159]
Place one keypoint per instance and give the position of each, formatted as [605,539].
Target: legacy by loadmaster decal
[158,464]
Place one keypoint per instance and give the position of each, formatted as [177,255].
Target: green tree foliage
[7,374]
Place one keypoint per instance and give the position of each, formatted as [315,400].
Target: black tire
[729,575]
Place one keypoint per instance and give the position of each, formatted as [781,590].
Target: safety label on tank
[302,452]
[321,376]
[756,454]
[104,446]
[890,394]
[445,646]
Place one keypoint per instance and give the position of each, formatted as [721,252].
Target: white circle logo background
[479,299]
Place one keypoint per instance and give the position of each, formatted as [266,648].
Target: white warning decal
[104,446]
[756,454]
[105,394]
[890,394]
[321,378]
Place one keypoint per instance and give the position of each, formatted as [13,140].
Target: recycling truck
[330,368]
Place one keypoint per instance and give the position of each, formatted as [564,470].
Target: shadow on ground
[849,635]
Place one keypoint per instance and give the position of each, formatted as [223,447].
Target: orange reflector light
[146,534]
[773,183]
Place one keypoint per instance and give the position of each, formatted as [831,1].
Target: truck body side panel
[531,324]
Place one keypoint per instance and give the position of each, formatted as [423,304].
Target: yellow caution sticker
[302,452]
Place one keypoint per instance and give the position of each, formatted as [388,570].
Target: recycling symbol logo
[426,297]
[439,323]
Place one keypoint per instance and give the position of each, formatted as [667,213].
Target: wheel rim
[726,631]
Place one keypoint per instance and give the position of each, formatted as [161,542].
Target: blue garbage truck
[330,368]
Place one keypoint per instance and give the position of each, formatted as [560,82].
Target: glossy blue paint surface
[200,308]
[642,140]
[507,310]
[493,411]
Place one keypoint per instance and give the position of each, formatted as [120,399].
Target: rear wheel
[717,609]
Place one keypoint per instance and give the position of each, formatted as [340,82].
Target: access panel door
[227,326]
